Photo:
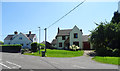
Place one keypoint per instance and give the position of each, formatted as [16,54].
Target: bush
[19,45]
[22,51]
[101,51]
[74,48]
[42,46]
[116,52]
[1,43]
[107,52]
[11,48]
[34,47]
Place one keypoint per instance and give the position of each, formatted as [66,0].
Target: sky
[28,16]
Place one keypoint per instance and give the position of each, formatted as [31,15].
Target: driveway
[16,61]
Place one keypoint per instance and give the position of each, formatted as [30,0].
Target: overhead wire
[66,14]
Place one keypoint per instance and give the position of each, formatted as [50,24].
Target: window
[27,44]
[75,35]
[60,44]
[76,43]
[20,38]
[22,44]
[63,37]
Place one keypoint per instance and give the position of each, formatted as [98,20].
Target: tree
[105,38]
[116,17]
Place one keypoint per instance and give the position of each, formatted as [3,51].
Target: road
[16,61]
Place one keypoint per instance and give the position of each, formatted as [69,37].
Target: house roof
[9,37]
[85,38]
[46,42]
[29,36]
[64,32]
[54,41]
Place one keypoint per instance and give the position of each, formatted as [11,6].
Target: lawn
[109,60]
[58,53]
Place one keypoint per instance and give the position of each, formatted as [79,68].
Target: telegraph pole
[45,38]
[39,40]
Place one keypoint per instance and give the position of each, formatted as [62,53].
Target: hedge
[10,48]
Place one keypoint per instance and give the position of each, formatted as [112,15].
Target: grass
[108,60]
[58,53]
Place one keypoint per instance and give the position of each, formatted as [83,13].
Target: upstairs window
[20,38]
[75,35]
[63,37]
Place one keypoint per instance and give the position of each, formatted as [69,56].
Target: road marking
[78,66]
[13,64]
[5,65]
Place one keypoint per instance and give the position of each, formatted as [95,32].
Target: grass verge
[108,60]
[58,53]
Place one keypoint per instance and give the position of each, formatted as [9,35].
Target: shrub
[1,43]
[22,51]
[116,52]
[19,45]
[42,46]
[74,48]
[107,52]
[34,47]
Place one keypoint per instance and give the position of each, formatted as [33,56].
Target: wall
[6,41]
[79,39]
[24,41]
[34,39]
[59,39]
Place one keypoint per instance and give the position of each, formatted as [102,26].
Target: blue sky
[28,16]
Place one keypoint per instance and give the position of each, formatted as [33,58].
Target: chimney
[29,32]
[16,32]
[81,31]
[58,30]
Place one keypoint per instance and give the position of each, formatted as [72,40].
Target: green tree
[105,38]
[116,17]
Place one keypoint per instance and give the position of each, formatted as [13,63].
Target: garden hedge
[11,48]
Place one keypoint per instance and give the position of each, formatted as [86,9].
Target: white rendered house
[68,37]
[24,39]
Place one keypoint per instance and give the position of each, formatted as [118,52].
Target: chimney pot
[16,32]
[29,32]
